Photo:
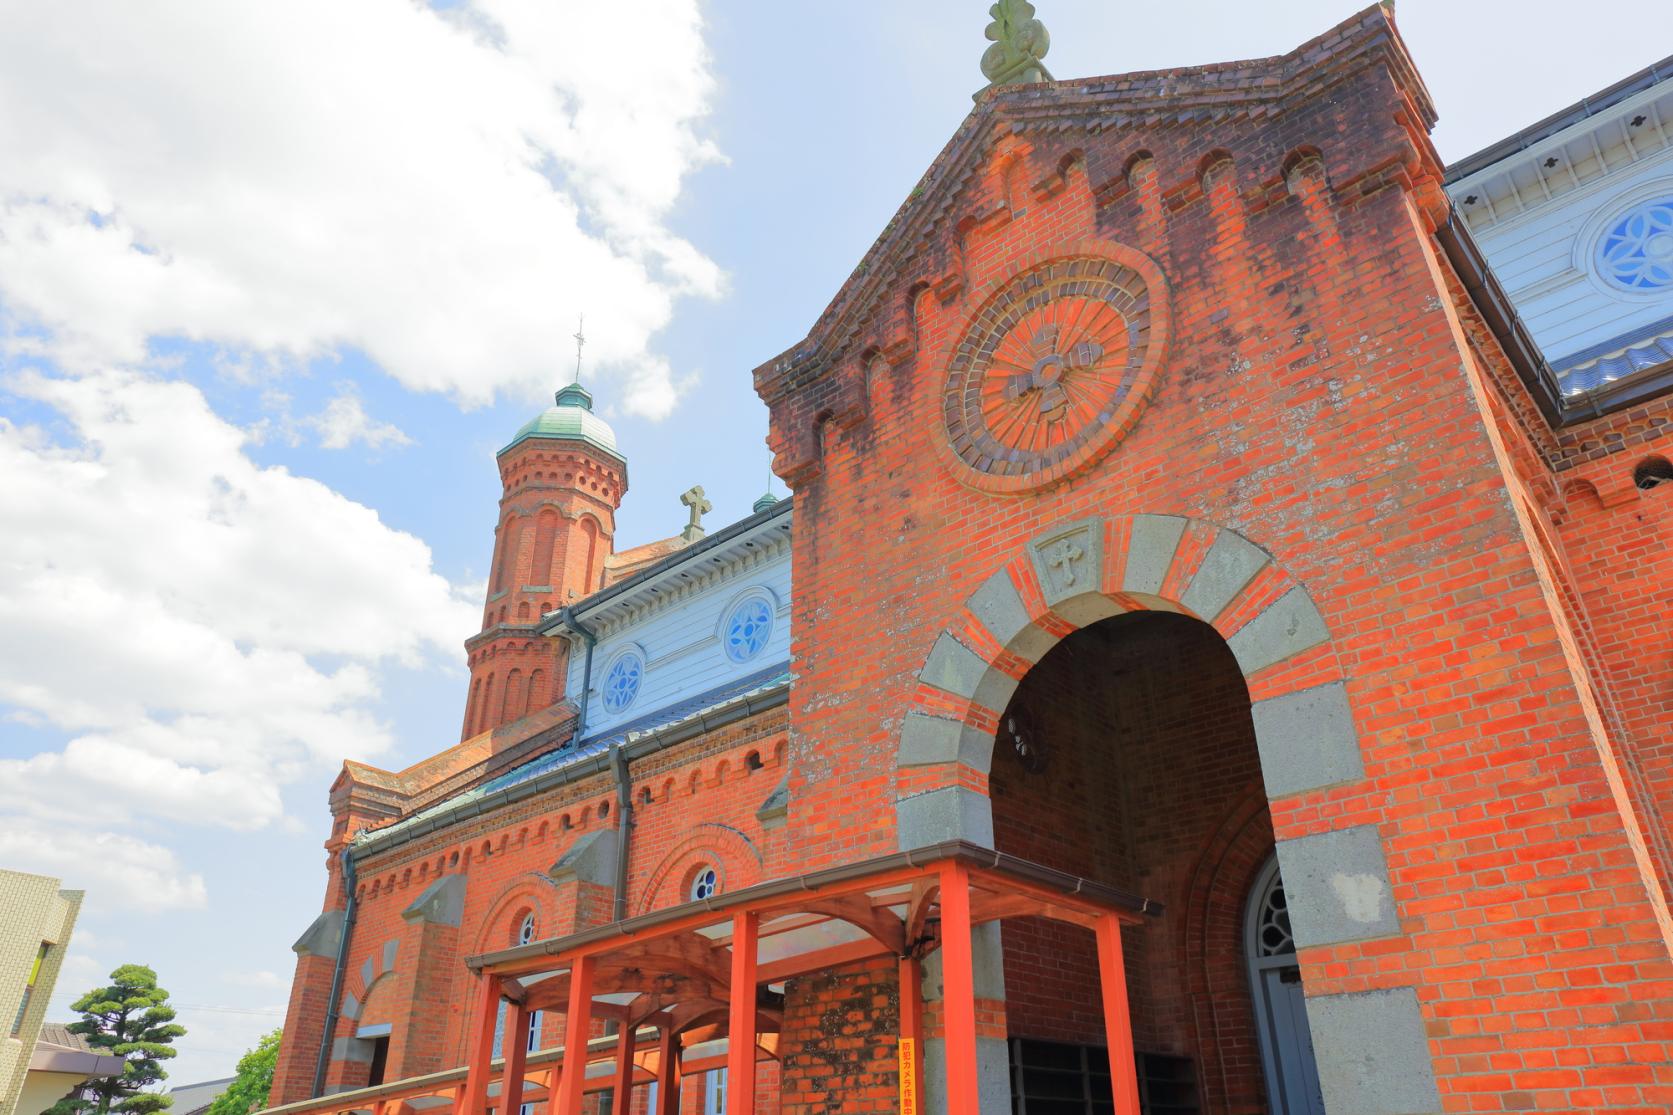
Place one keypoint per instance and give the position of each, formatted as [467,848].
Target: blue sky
[275,285]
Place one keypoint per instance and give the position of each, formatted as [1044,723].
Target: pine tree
[130,1019]
[249,1089]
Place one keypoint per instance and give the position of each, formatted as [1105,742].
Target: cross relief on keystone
[1062,560]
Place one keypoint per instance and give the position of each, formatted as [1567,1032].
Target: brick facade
[1330,589]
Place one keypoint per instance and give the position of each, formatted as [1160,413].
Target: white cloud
[441,191]
[344,422]
[207,629]
[117,872]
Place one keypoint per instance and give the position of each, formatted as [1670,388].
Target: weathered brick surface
[840,1047]
[1319,399]
[1490,596]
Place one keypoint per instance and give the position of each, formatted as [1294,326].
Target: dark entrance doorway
[1127,755]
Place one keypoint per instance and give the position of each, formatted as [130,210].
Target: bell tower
[562,479]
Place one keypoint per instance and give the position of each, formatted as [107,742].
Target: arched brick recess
[734,855]
[1213,939]
[532,891]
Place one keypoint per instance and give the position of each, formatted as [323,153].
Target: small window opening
[1652,472]
[752,761]
[704,884]
[380,1061]
[525,932]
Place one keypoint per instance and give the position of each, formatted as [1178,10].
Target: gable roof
[1190,95]
[1540,131]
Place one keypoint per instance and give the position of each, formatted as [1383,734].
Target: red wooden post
[740,1037]
[515,1048]
[667,1074]
[1118,1022]
[481,1055]
[623,1103]
[958,971]
[576,1028]
[911,1034]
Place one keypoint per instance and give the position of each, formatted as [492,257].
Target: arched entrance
[1286,1039]
[1125,756]
[1232,644]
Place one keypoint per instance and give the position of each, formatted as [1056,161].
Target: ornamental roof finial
[1019,43]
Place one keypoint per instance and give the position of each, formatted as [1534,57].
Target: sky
[276,281]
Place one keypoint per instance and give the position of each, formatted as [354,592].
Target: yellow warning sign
[908,1076]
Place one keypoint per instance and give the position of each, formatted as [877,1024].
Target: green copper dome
[572,419]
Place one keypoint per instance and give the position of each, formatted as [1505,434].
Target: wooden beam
[857,910]
[958,974]
[481,1051]
[515,1047]
[668,1074]
[622,1100]
[820,960]
[576,1027]
[1118,1022]
[740,1061]
[911,984]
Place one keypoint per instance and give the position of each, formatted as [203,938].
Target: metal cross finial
[580,340]
[699,507]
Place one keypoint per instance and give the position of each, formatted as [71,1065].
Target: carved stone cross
[699,507]
[1050,365]
[1062,559]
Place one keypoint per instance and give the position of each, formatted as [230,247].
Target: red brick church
[1216,658]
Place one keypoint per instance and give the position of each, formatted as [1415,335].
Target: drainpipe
[570,621]
[624,826]
[331,1016]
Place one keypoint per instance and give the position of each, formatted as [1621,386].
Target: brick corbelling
[504,856]
[1316,403]
[1232,99]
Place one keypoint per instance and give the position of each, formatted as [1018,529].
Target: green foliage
[130,1019]
[249,1089]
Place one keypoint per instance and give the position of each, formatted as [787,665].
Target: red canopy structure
[693,987]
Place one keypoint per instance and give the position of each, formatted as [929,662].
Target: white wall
[1539,226]
[680,643]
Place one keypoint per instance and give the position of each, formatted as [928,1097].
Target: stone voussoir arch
[1081,571]
[1086,570]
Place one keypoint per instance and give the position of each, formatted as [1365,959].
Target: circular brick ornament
[1053,369]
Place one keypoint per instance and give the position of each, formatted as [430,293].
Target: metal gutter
[334,999]
[962,851]
[1542,130]
[567,616]
[624,826]
[584,766]
[673,561]
[1525,357]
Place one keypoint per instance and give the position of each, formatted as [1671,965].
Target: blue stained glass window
[621,683]
[704,884]
[748,628]
[1637,251]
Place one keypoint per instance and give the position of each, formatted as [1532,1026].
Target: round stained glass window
[525,932]
[704,884]
[1636,252]
[621,682]
[748,627]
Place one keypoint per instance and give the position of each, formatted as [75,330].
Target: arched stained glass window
[1636,252]
[621,682]
[748,627]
